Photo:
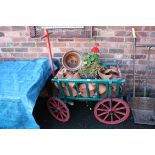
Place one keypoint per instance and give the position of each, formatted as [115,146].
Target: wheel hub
[111,112]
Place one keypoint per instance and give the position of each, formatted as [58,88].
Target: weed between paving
[81,118]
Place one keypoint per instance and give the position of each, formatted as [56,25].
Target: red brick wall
[116,44]
[16,43]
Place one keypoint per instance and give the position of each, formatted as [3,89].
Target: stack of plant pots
[111,73]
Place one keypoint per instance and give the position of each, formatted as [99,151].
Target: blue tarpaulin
[20,85]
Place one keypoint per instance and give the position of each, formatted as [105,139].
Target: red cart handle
[46,36]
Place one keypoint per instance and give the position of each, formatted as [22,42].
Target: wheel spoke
[64,114]
[103,113]
[121,108]
[105,117]
[112,119]
[122,113]
[116,105]
[55,103]
[55,106]
[58,104]
[53,110]
[105,106]
[52,105]
[62,108]
[57,115]
[61,115]
[99,109]
[118,117]
[110,104]
[64,111]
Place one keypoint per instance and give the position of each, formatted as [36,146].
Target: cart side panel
[64,84]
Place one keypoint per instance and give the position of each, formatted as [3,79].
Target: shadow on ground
[81,118]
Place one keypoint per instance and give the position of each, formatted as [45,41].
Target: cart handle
[44,36]
[47,38]
[133,33]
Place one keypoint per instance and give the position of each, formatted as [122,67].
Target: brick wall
[116,45]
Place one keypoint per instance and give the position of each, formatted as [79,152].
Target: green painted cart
[110,108]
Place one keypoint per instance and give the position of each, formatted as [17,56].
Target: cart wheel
[111,111]
[58,109]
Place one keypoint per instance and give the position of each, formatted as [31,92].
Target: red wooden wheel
[58,109]
[111,111]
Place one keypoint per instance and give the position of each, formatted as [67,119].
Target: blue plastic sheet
[20,85]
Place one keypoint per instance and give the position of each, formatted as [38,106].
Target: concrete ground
[81,118]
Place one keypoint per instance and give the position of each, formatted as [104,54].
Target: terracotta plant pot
[102,89]
[103,95]
[61,73]
[62,84]
[83,91]
[114,87]
[113,94]
[82,87]
[74,92]
[69,75]
[104,76]
[72,76]
[72,60]
[76,76]
[91,86]
[112,70]
[64,70]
